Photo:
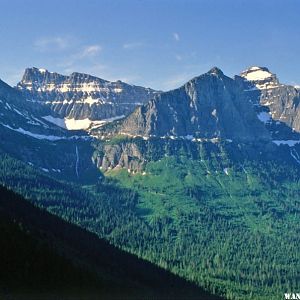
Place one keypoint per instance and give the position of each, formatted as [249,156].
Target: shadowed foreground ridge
[43,257]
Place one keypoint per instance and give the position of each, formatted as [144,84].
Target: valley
[202,181]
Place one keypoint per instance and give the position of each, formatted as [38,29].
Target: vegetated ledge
[134,152]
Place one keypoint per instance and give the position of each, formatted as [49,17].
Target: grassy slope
[245,220]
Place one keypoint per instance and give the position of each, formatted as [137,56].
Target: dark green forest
[44,257]
[229,225]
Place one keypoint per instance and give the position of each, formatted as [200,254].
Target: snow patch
[252,89]
[188,137]
[73,124]
[7,106]
[290,143]
[19,113]
[90,101]
[76,124]
[254,69]
[45,137]
[257,74]
[264,117]
[214,113]
[57,121]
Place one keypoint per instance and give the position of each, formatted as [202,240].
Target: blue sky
[160,44]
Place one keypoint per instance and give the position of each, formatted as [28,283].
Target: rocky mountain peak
[34,78]
[34,72]
[80,96]
[211,106]
[216,71]
[280,101]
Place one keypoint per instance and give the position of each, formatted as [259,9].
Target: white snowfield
[256,73]
[290,143]
[261,78]
[76,124]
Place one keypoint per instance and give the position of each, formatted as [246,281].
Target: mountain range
[249,107]
[208,106]
[79,100]
[202,180]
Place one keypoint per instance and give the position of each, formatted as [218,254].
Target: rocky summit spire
[216,71]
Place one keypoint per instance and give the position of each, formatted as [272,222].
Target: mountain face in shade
[280,101]
[16,113]
[80,96]
[209,106]
[25,135]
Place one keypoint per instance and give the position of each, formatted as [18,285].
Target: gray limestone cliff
[80,96]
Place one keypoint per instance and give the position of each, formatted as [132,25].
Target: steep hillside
[43,257]
[49,148]
[223,216]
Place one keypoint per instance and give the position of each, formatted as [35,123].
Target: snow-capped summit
[261,77]
[280,101]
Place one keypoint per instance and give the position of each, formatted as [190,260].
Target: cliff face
[133,154]
[209,106]
[122,155]
[251,109]
[80,96]
[280,101]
